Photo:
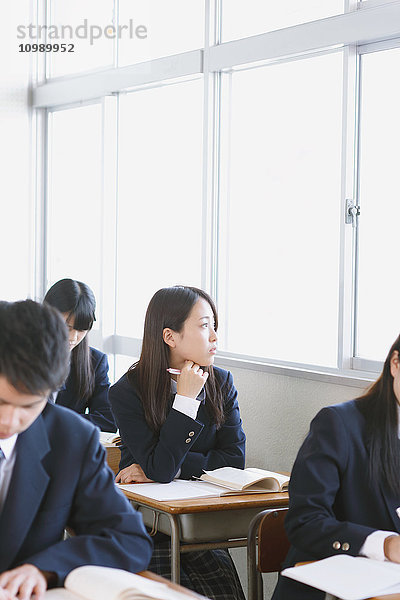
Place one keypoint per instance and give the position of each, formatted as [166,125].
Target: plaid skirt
[210,573]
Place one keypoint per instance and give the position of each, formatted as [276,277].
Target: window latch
[352,212]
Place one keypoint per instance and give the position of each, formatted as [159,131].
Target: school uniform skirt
[210,573]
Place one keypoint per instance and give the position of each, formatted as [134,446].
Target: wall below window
[276,412]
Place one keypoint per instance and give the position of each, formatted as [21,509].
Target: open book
[349,577]
[228,481]
[103,583]
[245,481]
[110,438]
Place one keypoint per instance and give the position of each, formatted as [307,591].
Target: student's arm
[108,531]
[229,447]
[98,404]
[317,476]
[159,455]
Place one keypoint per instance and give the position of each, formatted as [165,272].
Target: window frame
[366,26]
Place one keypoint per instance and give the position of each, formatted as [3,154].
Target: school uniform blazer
[60,479]
[182,443]
[333,506]
[98,404]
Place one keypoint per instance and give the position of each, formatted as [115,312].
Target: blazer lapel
[27,487]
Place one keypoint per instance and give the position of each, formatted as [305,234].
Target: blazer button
[188,442]
[336,545]
[191,433]
[345,546]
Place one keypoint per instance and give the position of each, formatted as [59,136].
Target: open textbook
[349,577]
[237,482]
[110,438]
[247,480]
[103,583]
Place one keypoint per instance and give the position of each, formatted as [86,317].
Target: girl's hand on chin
[191,380]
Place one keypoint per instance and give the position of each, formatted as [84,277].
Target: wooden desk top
[199,505]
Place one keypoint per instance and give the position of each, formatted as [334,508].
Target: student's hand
[24,581]
[191,380]
[4,595]
[392,548]
[132,474]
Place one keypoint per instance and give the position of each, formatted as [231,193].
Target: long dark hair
[77,299]
[169,307]
[381,413]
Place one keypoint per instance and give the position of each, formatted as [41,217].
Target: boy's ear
[169,337]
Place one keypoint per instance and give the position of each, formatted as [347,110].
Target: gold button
[345,546]
[336,545]
[188,442]
[191,433]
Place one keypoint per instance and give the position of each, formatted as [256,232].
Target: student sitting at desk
[52,469]
[176,425]
[345,484]
[86,387]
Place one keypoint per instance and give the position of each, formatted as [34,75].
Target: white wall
[276,412]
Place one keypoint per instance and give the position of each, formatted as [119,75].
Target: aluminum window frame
[367,26]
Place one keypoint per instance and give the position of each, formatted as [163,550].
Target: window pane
[280,265]
[378,281]
[244,18]
[88,26]
[172,27]
[160,197]
[75,201]
[16,237]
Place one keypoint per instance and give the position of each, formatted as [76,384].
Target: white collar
[7,445]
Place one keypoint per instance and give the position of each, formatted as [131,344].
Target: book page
[282,479]
[104,583]
[348,577]
[61,594]
[179,489]
[239,479]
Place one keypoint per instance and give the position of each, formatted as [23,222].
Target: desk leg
[175,549]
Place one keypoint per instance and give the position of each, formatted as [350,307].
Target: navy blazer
[60,479]
[333,506]
[98,404]
[182,442]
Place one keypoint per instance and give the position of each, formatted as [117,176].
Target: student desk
[204,523]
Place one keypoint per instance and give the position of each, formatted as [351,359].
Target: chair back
[273,544]
[113,457]
[267,527]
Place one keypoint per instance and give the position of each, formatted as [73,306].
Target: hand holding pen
[191,379]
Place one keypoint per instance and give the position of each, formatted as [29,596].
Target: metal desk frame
[174,509]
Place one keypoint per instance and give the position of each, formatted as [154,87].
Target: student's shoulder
[344,412]
[65,424]
[126,387]
[223,376]
[97,356]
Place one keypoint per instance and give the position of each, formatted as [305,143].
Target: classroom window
[171,27]
[378,321]
[242,19]
[279,237]
[88,28]
[160,197]
[75,196]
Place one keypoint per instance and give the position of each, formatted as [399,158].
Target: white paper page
[179,489]
[348,577]
[61,594]
[281,478]
[103,583]
[234,478]
[106,437]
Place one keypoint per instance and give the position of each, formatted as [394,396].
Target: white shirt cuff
[187,406]
[373,545]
